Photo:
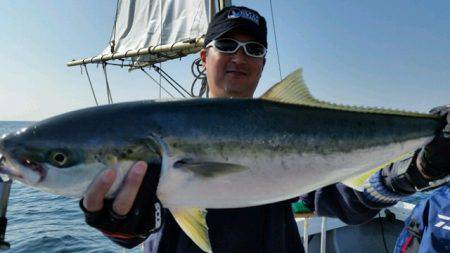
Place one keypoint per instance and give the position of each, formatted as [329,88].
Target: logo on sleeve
[444,222]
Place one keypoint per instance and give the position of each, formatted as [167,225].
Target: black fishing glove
[144,218]
[429,167]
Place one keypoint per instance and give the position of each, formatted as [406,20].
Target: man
[233,57]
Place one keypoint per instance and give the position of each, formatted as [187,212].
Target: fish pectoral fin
[192,221]
[357,182]
[209,169]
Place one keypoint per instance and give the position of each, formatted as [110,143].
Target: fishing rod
[5,187]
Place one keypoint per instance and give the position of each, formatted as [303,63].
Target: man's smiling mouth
[236,72]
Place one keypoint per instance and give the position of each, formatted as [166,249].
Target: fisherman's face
[232,75]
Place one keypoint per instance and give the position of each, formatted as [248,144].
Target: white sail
[152,31]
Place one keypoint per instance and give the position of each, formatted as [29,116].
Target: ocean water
[41,222]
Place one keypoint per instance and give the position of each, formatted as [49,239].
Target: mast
[212,8]
[224,3]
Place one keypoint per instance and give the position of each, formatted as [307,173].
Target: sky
[393,54]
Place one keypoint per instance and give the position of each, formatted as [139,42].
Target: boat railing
[309,223]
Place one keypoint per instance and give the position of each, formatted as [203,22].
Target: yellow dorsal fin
[357,182]
[292,90]
[193,223]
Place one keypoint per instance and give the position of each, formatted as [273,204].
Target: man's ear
[203,54]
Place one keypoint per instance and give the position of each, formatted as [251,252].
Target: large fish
[216,153]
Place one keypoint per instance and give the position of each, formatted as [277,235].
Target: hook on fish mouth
[3,169]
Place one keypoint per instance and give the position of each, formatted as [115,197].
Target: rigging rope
[122,64]
[171,81]
[199,11]
[160,42]
[161,73]
[382,229]
[160,79]
[160,86]
[276,40]
[199,74]
[90,83]
[112,40]
[108,90]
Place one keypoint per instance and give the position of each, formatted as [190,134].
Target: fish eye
[58,158]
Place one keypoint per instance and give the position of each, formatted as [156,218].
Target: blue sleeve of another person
[340,201]
[428,227]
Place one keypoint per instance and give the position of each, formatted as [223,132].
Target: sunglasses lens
[255,49]
[226,45]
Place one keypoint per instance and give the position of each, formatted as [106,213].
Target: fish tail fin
[192,221]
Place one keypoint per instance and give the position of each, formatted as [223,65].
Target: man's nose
[240,55]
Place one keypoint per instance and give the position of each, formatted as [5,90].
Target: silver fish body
[215,153]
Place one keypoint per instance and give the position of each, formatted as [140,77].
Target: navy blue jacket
[428,227]
[267,228]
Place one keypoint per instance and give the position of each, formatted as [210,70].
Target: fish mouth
[35,167]
[16,168]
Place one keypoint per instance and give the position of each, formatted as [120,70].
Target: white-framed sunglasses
[231,46]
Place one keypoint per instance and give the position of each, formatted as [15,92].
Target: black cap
[240,17]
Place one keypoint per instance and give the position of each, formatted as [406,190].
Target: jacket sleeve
[340,201]
[354,206]
[124,240]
